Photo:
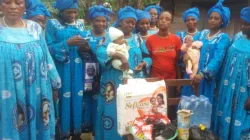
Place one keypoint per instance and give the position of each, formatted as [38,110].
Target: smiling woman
[25,81]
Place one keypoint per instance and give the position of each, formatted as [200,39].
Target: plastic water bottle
[195,120]
[182,103]
[206,119]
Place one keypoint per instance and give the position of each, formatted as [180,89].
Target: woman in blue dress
[191,18]
[27,76]
[143,24]
[106,122]
[155,12]
[99,16]
[232,120]
[65,41]
[38,13]
[215,44]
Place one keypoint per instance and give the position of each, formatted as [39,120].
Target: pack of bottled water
[201,108]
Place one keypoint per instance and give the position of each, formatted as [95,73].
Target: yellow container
[183,133]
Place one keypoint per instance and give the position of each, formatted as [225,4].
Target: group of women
[56,72]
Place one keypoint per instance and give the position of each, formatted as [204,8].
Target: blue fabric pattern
[192,12]
[230,119]
[237,36]
[106,122]
[70,67]
[27,76]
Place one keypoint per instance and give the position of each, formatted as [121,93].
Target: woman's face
[165,20]
[191,23]
[127,25]
[143,25]
[40,19]
[214,21]
[69,15]
[245,27]
[13,9]
[154,15]
[99,24]
[159,100]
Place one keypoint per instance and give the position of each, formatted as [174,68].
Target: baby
[191,55]
[118,45]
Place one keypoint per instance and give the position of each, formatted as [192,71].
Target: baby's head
[116,36]
[119,40]
[153,101]
[188,39]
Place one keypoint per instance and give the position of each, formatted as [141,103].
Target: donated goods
[139,98]
[183,119]
[201,108]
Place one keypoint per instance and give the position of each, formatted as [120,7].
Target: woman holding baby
[138,59]
[215,44]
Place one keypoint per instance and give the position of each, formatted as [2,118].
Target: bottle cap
[202,127]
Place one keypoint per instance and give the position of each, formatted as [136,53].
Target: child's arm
[184,47]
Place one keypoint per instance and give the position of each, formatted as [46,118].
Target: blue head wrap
[66,4]
[126,12]
[40,9]
[99,11]
[192,12]
[31,4]
[223,11]
[245,14]
[156,7]
[143,14]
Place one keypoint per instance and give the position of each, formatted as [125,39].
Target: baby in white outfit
[118,45]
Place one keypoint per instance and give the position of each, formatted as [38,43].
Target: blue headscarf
[66,4]
[223,11]
[142,15]
[156,7]
[192,12]
[126,12]
[31,4]
[40,9]
[99,11]
[245,14]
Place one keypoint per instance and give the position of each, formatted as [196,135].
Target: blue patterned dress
[70,67]
[232,120]
[212,54]
[27,75]
[106,122]
[92,98]
[237,36]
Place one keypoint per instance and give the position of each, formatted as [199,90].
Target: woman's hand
[247,104]
[197,79]
[83,46]
[140,67]
[74,41]
[125,65]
